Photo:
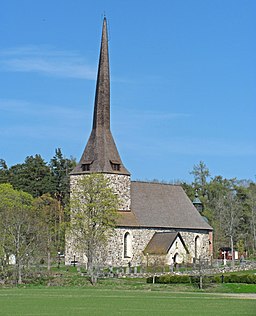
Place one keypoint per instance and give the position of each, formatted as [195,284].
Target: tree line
[230,207]
[34,199]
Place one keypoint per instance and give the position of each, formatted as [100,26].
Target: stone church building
[156,221]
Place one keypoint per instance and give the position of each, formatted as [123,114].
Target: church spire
[101,154]
[101,118]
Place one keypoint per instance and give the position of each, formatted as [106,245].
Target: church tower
[100,154]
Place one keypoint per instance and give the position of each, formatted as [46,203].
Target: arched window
[175,258]
[196,246]
[127,245]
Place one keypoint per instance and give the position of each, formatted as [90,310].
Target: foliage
[169,279]
[94,213]
[60,168]
[230,207]
[229,204]
[207,279]
[240,278]
[50,216]
[201,173]
[37,177]
[4,173]
[18,227]
[32,176]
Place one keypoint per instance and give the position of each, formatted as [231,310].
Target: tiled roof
[126,218]
[160,243]
[158,205]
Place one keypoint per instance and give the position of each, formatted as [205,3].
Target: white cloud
[47,61]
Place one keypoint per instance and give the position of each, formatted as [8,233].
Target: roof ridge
[162,183]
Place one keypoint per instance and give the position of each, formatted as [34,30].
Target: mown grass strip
[76,302]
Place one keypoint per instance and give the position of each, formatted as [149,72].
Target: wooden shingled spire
[100,154]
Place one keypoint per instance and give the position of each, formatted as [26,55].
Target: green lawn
[95,301]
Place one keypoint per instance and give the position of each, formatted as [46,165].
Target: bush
[170,279]
[150,280]
[228,278]
[240,278]
[217,279]
[251,278]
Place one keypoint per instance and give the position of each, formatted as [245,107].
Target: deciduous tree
[18,226]
[50,225]
[93,216]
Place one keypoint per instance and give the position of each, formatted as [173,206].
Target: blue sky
[183,77]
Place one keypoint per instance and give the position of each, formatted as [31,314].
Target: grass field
[95,301]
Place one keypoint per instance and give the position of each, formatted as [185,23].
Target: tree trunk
[232,250]
[18,269]
[19,274]
[254,231]
[48,260]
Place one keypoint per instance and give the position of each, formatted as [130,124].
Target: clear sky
[183,78]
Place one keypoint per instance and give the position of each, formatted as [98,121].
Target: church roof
[158,205]
[160,243]
[101,154]
[127,218]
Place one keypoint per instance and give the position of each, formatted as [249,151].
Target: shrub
[170,279]
[217,279]
[251,278]
[240,278]
[228,278]
[150,280]
[165,279]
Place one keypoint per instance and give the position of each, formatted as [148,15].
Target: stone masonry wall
[121,185]
[140,238]
[202,244]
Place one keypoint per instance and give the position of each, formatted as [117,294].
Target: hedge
[228,278]
[240,278]
[170,279]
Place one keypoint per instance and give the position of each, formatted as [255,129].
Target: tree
[47,210]
[32,176]
[93,216]
[4,172]
[60,169]
[251,199]
[229,213]
[37,177]
[18,226]
[201,173]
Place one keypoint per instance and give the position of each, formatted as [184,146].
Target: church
[156,221]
